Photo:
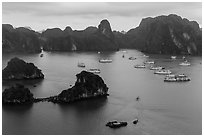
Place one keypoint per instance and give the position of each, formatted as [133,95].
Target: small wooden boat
[41,55]
[116,124]
[82,65]
[135,121]
[132,58]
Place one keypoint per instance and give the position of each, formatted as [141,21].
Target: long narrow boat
[176,78]
[156,68]
[149,62]
[93,70]
[139,66]
[185,63]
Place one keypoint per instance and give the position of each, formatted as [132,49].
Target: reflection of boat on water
[139,66]
[132,58]
[173,57]
[185,63]
[149,62]
[105,60]
[176,78]
[156,68]
[81,65]
[93,70]
[163,72]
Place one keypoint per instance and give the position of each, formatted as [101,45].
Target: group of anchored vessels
[159,70]
[94,70]
[169,77]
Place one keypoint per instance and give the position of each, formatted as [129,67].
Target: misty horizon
[79,16]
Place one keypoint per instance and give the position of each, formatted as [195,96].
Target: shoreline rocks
[18,69]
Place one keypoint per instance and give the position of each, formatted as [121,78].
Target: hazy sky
[122,16]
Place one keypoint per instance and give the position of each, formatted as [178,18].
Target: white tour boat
[176,78]
[93,70]
[156,68]
[139,66]
[185,63]
[105,60]
[163,72]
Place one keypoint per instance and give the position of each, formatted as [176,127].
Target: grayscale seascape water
[164,108]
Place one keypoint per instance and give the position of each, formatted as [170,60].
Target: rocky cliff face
[105,29]
[166,35]
[88,85]
[17,94]
[19,40]
[91,39]
[18,69]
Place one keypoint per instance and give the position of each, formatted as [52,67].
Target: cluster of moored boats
[162,71]
[94,70]
[157,69]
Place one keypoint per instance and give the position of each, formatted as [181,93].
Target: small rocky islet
[18,69]
[16,95]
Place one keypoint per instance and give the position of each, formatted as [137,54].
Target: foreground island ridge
[88,85]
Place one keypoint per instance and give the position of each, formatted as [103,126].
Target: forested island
[170,34]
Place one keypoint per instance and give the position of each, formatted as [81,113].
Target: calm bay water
[164,108]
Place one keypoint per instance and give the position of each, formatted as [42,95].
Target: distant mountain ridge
[160,35]
[19,39]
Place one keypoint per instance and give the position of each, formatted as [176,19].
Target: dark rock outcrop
[105,28]
[166,35]
[17,94]
[88,85]
[19,40]
[18,69]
